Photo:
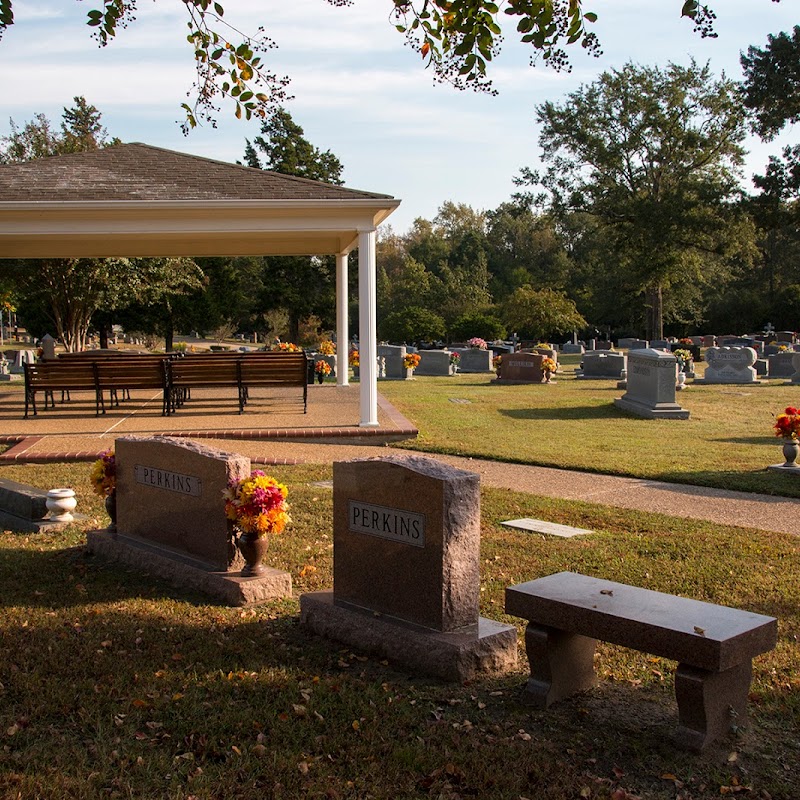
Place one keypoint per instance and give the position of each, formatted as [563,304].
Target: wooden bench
[277,370]
[116,375]
[240,370]
[49,377]
[714,645]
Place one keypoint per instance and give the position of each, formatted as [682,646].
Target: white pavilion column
[342,322]
[367,329]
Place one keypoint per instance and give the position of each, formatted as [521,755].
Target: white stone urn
[61,503]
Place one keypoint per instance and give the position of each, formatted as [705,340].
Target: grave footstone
[24,508]
[651,386]
[171,519]
[406,569]
[730,365]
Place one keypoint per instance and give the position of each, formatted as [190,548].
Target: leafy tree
[456,39]
[412,325]
[485,326]
[541,313]
[69,291]
[524,247]
[286,150]
[772,82]
[303,286]
[654,156]
[81,130]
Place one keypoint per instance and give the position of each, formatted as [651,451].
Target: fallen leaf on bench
[699,631]
[607,591]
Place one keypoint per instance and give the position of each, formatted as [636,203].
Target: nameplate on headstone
[405,527]
[170,481]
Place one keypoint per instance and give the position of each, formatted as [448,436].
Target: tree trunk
[169,335]
[655,313]
[294,328]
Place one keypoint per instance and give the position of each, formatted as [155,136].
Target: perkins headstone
[651,386]
[171,518]
[406,569]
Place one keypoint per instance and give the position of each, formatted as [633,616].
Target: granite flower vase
[111,509]
[791,449]
[253,549]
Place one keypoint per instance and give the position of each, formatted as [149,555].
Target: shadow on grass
[759,440]
[573,413]
[779,486]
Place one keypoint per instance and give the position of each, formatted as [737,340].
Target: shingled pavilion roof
[139,200]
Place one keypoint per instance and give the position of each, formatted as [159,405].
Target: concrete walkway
[279,435]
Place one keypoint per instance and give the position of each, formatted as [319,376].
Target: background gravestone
[406,569]
[434,362]
[474,360]
[393,355]
[651,386]
[521,368]
[730,365]
[598,365]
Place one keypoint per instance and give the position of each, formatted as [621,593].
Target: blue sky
[358,91]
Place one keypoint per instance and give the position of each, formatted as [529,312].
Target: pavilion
[136,200]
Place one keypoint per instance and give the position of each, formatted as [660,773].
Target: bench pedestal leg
[709,703]
[561,664]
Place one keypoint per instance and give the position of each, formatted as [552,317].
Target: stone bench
[713,645]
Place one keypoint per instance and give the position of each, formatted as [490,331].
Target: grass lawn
[113,684]
[727,441]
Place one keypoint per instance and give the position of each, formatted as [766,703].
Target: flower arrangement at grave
[549,366]
[787,424]
[327,348]
[286,347]
[686,341]
[455,361]
[411,361]
[497,363]
[684,357]
[787,427]
[476,343]
[322,369]
[103,476]
[782,348]
[257,504]
[354,358]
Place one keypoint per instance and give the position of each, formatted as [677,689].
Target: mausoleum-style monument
[406,569]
